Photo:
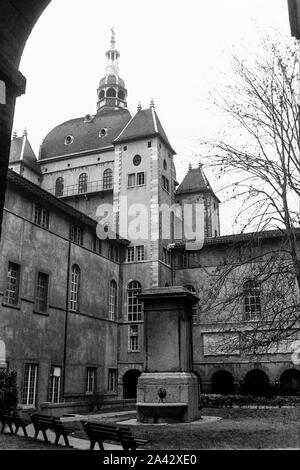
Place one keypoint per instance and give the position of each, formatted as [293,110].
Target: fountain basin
[161,412]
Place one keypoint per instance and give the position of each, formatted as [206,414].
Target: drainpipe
[66,321]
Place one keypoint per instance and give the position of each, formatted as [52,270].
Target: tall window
[12,284]
[41,216]
[55,384]
[112,380]
[133,338]
[134,305]
[107,179]
[140,253]
[74,288]
[90,379]
[82,183]
[130,254]
[112,300]
[41,293]
[140,178]
[76,234]
[59,187]
[29,384]
[252,297]
[131,180]
[165,183]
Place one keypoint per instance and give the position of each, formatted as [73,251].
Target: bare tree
[261,156]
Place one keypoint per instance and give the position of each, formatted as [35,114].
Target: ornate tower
[111,91]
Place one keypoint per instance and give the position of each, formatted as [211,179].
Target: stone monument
[168,390]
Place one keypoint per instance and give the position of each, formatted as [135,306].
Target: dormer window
[69,140]
[103,132]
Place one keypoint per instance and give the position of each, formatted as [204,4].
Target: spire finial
[190,166]
[25,133]
[15,135]
[200,164]
[152,103]
[139,108]
[113,38]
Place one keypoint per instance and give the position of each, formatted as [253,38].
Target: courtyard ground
[277,428]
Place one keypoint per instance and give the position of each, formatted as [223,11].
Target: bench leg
[17,429]
[57,436]
[66,440]
[100,444]
[24,431]
[92,444]
[36,434]
[45,435]
[3,426]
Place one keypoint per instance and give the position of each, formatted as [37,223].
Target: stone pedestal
[168,390]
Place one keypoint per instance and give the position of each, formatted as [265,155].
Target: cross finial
[15,135]
[113,38]
[152,103]
[139,108]
[190,166]
[25,133]
[200,165]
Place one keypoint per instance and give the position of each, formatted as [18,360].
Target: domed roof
[111,80]
[84,133]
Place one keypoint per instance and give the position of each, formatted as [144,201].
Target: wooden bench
[44,423]
[10,417]
[99,432]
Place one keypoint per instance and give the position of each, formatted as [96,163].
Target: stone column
[168,390]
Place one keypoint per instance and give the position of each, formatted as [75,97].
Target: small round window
[137,160]
[165,165]
[69,140]
[103,132]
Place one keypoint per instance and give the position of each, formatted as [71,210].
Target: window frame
[55,386]
[134,305]
[112,374]
[74,300]
[251,300]
[140,249]
[29,384]
[82,183]
[112,300]
[6,296]
[107,178]
[93,370]
[133,338]
[46,302]
[130,249]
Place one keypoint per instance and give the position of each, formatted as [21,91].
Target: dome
[82,134]
[111,80]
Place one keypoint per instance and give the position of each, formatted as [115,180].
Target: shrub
[8,389]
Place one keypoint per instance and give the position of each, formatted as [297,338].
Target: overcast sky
[172,51]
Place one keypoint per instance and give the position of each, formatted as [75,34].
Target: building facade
[86,227]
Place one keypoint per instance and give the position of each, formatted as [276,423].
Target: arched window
[82,183]
[112,300]
[74,288]
[134,305]
[59,187]
[252,304]
[121,95]
[111,92]
[101,94]
[107,179]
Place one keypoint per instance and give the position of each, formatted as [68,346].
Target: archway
[290,382]
[256,383]
[130,380]
[222,382]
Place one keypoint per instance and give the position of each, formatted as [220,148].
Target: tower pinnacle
[111,91]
